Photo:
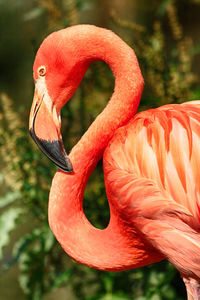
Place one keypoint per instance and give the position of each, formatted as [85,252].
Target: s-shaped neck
[101,44]
[113,247]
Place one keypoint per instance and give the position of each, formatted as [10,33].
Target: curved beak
[45,127]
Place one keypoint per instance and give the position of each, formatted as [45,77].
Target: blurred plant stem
[8,141]
[60,13]
[70,6]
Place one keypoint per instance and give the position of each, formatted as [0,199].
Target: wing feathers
[152,173]
[164,145]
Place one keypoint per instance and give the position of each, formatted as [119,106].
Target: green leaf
[113,297]
[37,275]
[163,7]
[156,278]
[33,14]
[9,198]
[7,224]
[155,297]
[61,278]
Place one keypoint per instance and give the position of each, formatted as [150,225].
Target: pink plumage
[158,156]
[151,161]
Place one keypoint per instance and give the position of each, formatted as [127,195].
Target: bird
[151,161]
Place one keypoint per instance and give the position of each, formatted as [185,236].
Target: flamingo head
[57,72]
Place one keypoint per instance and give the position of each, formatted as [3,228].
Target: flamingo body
[151,161]
[151,171]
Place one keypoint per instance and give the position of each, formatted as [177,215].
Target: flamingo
[151,161]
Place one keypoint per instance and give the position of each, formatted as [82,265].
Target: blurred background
[165,35]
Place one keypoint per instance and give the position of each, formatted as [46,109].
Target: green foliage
[7,223]
[34,264]
[9,198]
[166,57]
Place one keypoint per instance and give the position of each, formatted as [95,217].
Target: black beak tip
[67,167]
[54,151]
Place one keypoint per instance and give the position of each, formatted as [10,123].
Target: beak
[45,128]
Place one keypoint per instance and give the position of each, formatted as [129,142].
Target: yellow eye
[41,71]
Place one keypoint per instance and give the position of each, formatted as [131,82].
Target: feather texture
[152,164]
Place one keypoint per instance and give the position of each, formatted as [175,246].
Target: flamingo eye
[41,71]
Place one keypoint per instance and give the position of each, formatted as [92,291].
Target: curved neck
[100,44]
[113,247]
